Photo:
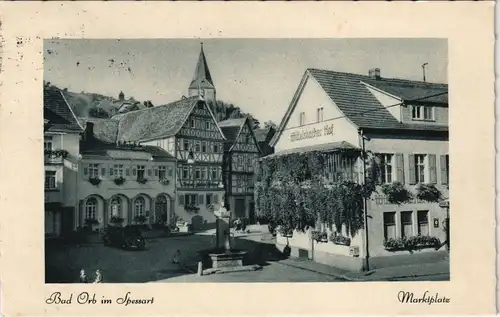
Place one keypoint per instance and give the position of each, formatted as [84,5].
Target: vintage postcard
[238,158]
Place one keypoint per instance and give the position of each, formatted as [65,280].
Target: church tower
[202,80]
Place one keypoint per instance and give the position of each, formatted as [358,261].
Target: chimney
[374,73]
[89,131]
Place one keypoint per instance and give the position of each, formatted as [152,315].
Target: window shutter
[134,171]
[127,171]
[85,171]
[208,198]
[432,168]
[111,170]
[378,170]
[156,172]
[215,198]
[200,199]
[170,171]
[411,168]
[103,171]
[181,199]
[444,170]
[149,172]
[400,171]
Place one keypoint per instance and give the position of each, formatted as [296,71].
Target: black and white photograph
[246,160]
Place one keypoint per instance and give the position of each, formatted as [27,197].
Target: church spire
[202,77]
[202,84]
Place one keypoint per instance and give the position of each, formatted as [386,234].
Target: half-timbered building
[241,153]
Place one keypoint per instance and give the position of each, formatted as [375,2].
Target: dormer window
[302,118]
[425,113]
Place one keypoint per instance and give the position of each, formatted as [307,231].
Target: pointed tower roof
[202,77]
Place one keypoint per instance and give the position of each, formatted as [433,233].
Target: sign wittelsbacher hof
[311,133]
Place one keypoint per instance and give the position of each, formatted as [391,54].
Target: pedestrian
[177,256]
[98,276]
[83,276]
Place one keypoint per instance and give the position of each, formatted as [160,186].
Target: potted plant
[119,180]
[428,192]
[94,180]
[396,193]
[142,180]
[56,153]
[165,181]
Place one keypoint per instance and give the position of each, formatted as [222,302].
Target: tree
[223,111]
[270,124]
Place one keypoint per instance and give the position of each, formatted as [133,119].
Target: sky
[258,75]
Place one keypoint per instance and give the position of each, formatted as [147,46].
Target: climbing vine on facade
[293,192]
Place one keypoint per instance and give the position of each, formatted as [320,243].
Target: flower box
[96,181]
[142,180]
[340,240]
[191,208]
[164,181]
[412,243]
[429,193]
[396,193]
[319,236]
[119,181]
[56,153]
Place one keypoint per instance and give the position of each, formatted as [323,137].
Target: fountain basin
[220,258]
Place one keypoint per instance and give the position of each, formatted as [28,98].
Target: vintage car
[129,237]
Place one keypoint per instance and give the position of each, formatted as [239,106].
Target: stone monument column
[222,229]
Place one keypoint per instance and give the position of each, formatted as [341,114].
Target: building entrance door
[239,207]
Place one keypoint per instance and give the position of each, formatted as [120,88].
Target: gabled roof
[129,153]
[146,124]
[232,128]
[202,77]
[57,110]
[350,93]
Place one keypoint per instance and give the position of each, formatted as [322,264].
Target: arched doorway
[161,209]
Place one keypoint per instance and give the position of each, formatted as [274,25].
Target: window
[247,138]
[204,173]
[141,171]
[47,143]
[389,225]
[386,168]
[139,206]
[423,222]
[216,148]
[204,147]
[116,207]
[118,170]
[50,179]
[91,208]
[192,123]
[208,199]
[162,172]
[302,118]
[93,170]
[197,146]
[319,114]
[170,171]
[406,224]
[214,173]
[422,113]
[207,125]
[186,145]
[197,174]
[185,172]
[420,168]
[191,199]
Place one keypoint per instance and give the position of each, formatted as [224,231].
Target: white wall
[312,98]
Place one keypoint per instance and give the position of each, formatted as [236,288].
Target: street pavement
[63,264]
